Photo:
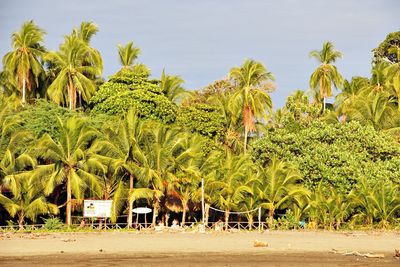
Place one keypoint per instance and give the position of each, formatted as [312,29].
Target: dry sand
[285,248]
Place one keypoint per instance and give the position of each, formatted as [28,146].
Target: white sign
[97,208]
[142,210]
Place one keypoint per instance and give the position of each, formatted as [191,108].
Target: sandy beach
[285,248]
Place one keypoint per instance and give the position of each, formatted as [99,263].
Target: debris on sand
[68,240]
[397,253]
[258,243]
[356,253]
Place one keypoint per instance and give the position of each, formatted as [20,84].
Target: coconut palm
[68,162]
[231,182]
[346,98]
[122,149]
[326,74]
[11,139]
[279,187]
[360,196]
[386,202]
[377,109]
[184,184]
[73,72]
[171,86]
[161,145]
[128,54]
[27,201]
[251,100]
[24,61]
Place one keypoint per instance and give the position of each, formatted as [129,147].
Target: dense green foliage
[143,141]
[337,155]
[201,118]
[128,89]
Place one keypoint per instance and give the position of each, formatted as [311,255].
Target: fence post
[259,219]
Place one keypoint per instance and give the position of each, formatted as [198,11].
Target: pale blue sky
[202,40]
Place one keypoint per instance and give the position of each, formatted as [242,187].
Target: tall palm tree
[326,74]
[73,72]
[122,149]
[278,187]
[68,162]
[128,54]
[24,61]
[251,100]
[161,146]
[27,198]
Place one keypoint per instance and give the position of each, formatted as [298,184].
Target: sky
[202,40]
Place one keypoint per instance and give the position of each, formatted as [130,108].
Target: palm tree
[386,202]
[27,198]
[279,187]
[231,181]
[360,196]
[171,86]
[11,139]
[351,90]
[68,162]
[377,109]
[74,72]
[122,149]
[251,101]
[128,54]
[326,74]
[161,145]
[24,61]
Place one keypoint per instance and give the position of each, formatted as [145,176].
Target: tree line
[68,134]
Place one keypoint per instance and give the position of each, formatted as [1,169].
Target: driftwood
[356,253]
[397,253]
[257,243]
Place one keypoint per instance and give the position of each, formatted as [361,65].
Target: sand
[285,248]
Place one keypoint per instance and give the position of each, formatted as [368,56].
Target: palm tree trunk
[70,93]
[245,139]
[271,217]
[324,103]
[183,217]
[21,218]
[226,219]
[23,91]
[69,193]
[155,213]
[130,206]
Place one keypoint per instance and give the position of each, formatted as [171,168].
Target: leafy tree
[24,61]
[326,74]
[251,101]
[201,118]
[383,52]
[128,90]
[336,154]
[41,117]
